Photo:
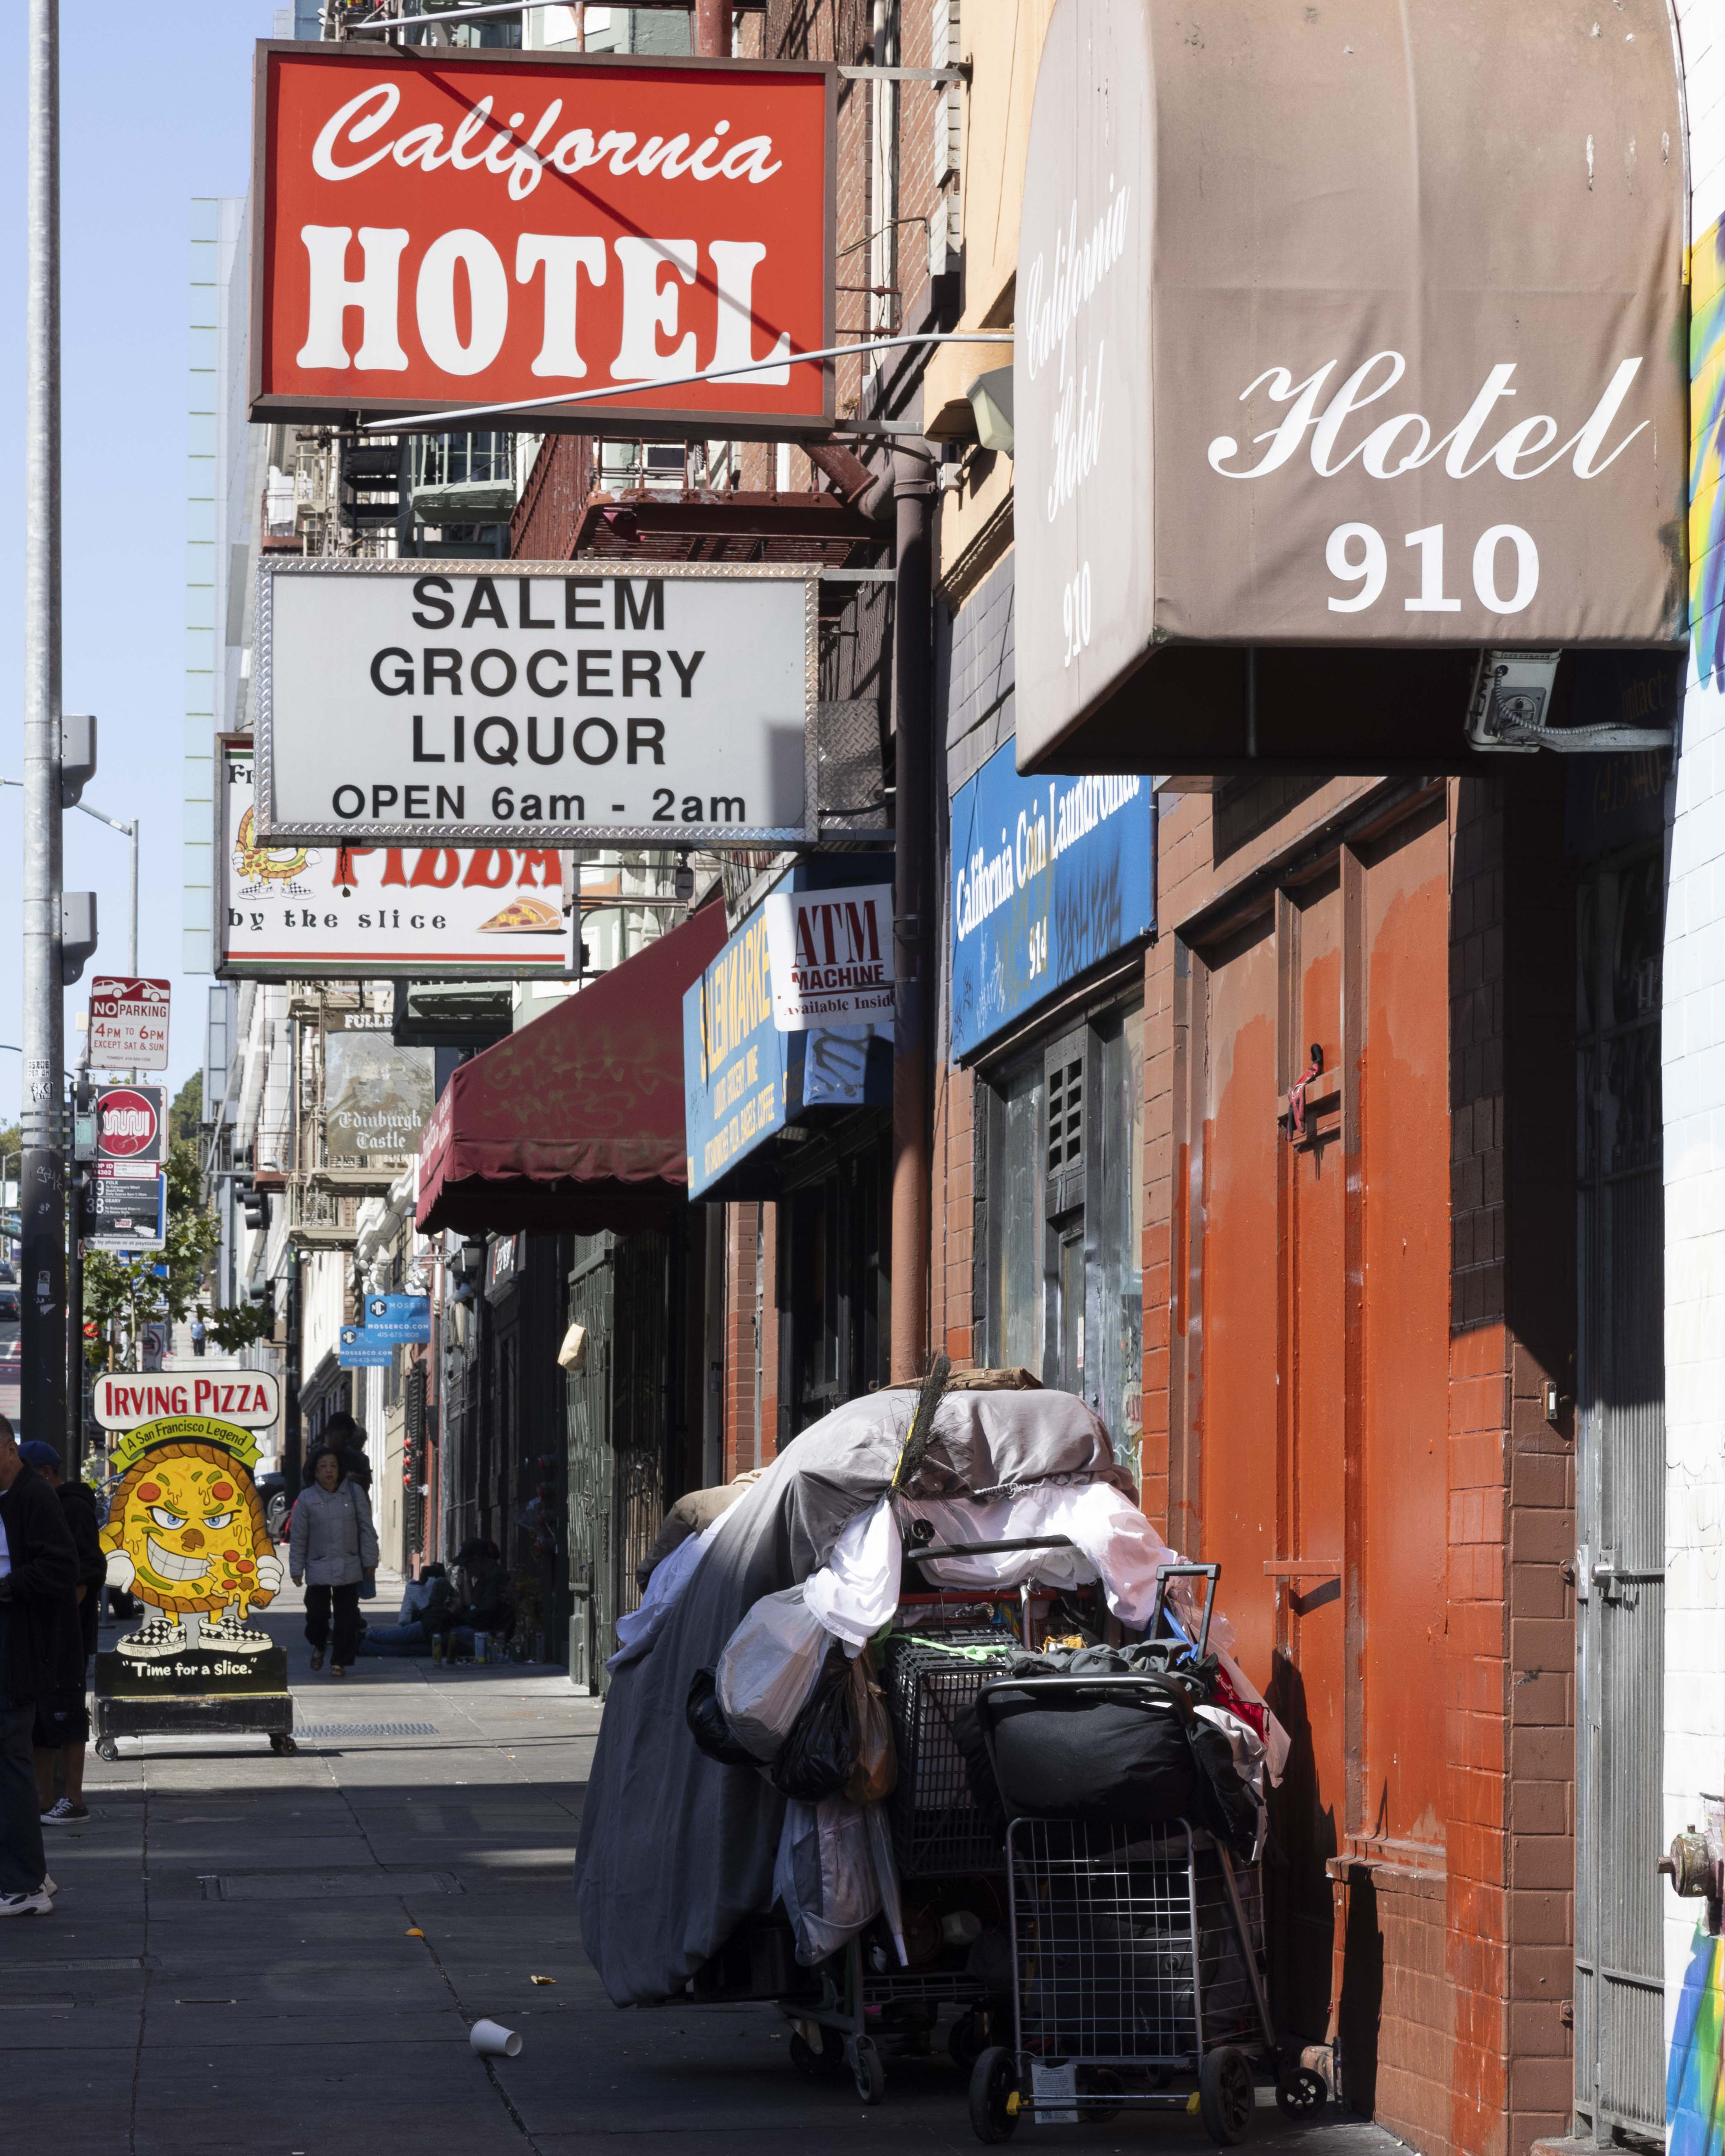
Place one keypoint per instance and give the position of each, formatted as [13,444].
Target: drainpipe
[712,29]
[912,669]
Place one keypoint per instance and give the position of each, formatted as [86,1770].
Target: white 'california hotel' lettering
[564,257]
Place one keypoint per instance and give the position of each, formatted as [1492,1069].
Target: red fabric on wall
[575,1122]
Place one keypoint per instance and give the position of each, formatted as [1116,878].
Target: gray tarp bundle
[675,1850]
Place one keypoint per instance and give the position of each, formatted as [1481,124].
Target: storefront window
[1065,1201]
[1015,1222]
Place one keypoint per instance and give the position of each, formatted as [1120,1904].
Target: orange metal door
[1310,1450]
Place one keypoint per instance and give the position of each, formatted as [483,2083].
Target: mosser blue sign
[1049,875]
[356,1351]
[743,1080]
[403,1318]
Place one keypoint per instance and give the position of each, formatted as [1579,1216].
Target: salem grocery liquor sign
[534,707]
[436,226]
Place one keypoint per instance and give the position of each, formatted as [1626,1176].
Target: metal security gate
[1620,1583]
[620,1290]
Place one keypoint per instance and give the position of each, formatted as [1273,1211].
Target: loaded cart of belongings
[940,1946]
[1131,1780]
[768,1817]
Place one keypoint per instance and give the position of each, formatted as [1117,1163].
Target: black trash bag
[816,1759]
[1224,1803]
[707,1725]
[979,1768]
[1104,1753]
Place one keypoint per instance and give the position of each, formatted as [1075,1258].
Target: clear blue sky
[153,112]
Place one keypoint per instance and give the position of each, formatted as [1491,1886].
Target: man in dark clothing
[62,1721]
[40,1655]
[490,1603]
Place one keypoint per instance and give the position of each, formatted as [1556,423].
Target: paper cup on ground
[492,2040]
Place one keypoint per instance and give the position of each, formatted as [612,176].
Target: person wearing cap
[40,1656]
[62,1721]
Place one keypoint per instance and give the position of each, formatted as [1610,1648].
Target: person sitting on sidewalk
[40,1658]
[62,1731]
[422,1606]
[490,1607]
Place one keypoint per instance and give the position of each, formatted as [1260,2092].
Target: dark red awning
[575,1122]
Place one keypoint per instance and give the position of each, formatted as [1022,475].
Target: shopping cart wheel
[827,2064]
[1300,2092]
[967,2041]
[1100,2082]
[995,2095]
[107,1750]
[1226,2097]
[282,1744]
[870,2074]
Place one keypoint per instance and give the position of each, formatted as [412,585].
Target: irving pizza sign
[440,227]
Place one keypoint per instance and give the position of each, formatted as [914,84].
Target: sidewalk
[229,1970]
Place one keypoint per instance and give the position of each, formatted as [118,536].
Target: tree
[185,1115]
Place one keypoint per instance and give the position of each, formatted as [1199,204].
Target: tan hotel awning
[1345,333]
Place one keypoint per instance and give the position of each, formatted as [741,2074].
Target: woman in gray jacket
[332,1548]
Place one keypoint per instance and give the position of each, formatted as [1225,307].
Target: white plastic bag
[855,1592]
[767,1670]
[825,1875]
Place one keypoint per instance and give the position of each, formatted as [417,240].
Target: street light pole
[42,1296]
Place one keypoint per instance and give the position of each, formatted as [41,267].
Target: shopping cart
[1139,1962]
[870,2007]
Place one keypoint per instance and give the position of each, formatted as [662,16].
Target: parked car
[273,1494]
[10,1313]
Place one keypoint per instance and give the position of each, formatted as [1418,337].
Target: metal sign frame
[626,418]
[667,836]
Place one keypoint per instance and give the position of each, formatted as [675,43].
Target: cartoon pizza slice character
[186,1534]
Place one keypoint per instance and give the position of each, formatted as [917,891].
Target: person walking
[198,1330]
[343,1435]
[332,1549]
[62,1721]
[39,1658]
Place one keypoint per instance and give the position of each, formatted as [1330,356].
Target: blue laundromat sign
[1048,876]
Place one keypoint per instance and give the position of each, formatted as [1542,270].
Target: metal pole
[42,1298]
[712,29]
[913,489]
[131,963]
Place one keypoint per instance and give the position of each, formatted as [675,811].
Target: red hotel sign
[444,228]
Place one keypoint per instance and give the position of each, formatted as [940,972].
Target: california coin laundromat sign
[535,705]
[1317,345]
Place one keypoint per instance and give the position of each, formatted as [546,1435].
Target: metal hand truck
[1138,1963]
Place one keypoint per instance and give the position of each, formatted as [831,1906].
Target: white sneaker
[38,1904]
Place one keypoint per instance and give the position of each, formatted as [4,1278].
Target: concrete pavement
[231,1968]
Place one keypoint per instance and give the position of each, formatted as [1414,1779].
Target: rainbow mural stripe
[1694,2102]
[1707,453]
